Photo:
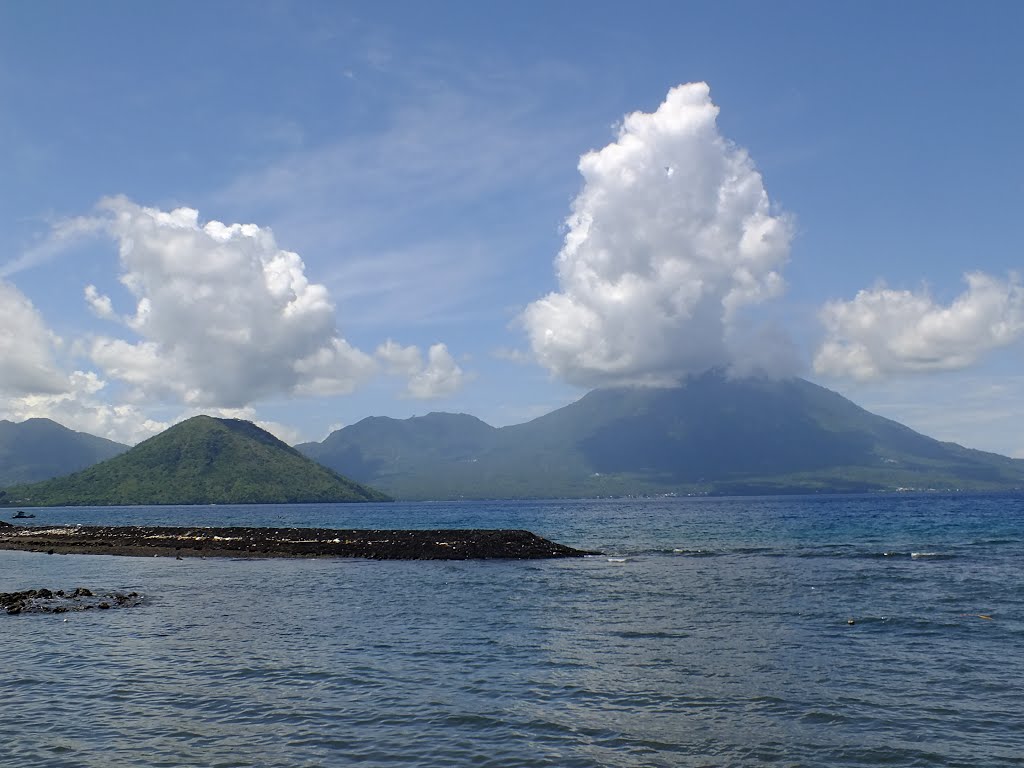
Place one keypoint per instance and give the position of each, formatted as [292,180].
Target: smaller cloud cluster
[222,318]
[671,236]
[27,348]
[80,406]
[883,332]
[439,376]
[226,317]
[223,315]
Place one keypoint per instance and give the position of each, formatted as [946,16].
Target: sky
[305,214]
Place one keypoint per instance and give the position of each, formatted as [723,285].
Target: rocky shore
[181,542]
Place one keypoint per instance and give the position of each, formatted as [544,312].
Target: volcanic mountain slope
[203,460]
[38,449]
[714,435]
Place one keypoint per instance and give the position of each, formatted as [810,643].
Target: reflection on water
[737,654]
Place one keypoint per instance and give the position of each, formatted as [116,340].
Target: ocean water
[712,632]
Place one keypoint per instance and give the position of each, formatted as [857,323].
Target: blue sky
[426,237]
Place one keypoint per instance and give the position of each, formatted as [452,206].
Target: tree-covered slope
[713,435]
[203,460]
[38,449]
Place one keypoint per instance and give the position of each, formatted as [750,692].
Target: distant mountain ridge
[38,449]
[202,460]
[713,435]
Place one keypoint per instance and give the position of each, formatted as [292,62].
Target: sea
[777,631]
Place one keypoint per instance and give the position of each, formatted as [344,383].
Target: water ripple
[723,639]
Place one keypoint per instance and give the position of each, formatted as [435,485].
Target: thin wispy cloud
[63,235]
[422,285]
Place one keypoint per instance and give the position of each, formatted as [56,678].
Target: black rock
[50,601]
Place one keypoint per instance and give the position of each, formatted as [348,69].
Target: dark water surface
[714,632]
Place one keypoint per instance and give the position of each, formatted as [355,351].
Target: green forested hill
[713,435]
[203,460]
[38,449]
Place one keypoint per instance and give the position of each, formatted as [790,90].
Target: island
[202,460]
[240,542]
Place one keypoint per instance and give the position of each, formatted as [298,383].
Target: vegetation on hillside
[203,460]
[714,435]
[38,449]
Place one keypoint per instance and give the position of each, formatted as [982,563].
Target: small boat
[22,516]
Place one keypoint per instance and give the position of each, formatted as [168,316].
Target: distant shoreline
[235,542]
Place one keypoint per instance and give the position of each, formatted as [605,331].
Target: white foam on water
[917,555]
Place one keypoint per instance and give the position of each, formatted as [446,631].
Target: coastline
[258,542]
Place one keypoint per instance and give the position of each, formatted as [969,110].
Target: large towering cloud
[27,348]
[670,237]
[883,332]
[223,316]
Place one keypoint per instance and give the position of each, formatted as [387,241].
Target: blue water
[713,632]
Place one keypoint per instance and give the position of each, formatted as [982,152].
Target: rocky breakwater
[182,542]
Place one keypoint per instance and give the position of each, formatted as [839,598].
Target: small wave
[633,634]
[831,552]
[895,553]
[889,554]
[616,559]
[992,542]
[694,552]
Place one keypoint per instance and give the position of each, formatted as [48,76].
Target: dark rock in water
[151,541]
[47,601]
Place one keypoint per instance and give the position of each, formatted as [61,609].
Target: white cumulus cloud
[883,332]
[100,305]
[223,316]
[27,347]
[438,377]
[82,408]
[670,237]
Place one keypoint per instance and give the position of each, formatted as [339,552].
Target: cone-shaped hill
[203,460]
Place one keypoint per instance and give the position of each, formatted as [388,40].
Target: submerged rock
[59,601]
